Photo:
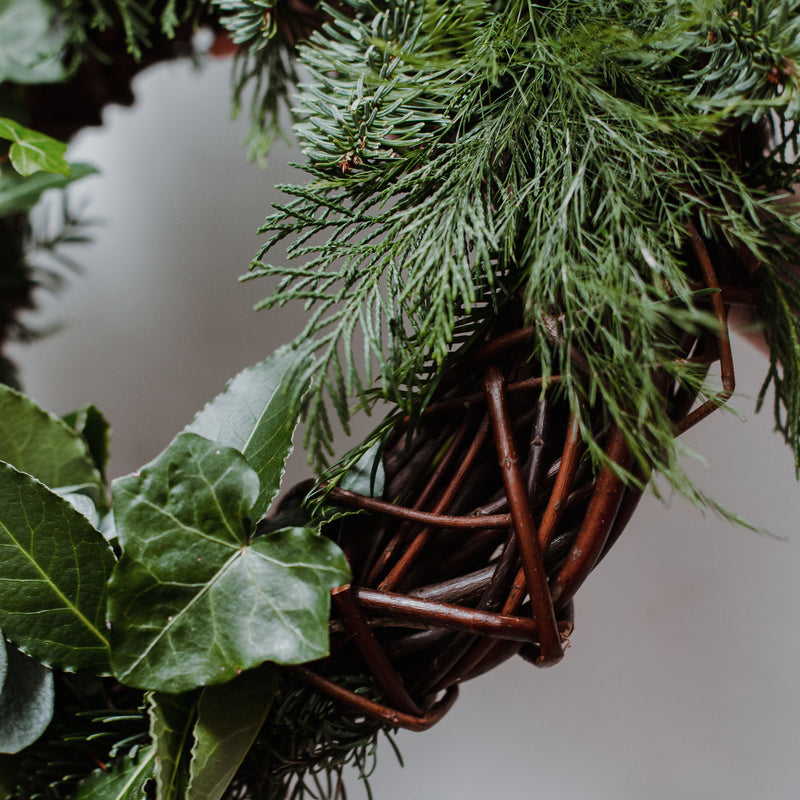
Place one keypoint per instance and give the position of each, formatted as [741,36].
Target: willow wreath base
[498,520]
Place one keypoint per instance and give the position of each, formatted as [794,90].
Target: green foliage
[125,779]
[93,724]
[172,719]
[26,699]
[306,743]
[201,737]
[266,33]
[213,602]
[781,306]
[47,448]
[18,193]
[460,155]
[61,562]
[90,423]
[257,414]
[32,151]
[198,597]
[228,720]
[468,163]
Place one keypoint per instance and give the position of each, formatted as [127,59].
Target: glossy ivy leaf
[18,193]
[44,446]
[125,779]
[33,151]
[26,700]
[172,718]
[30,44]
[53,571]
[257,415]
[90,423]
[192,601]
[229,716]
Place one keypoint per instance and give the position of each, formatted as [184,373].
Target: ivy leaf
[90,423]
[125,779]
[192,602]
[172,718]
[53,571]
[30,44]
[18,193]
[44,446]
[33,151]
[229,717]
[257,415]
[26,699]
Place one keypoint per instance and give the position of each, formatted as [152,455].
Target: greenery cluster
[460,158]
[464,158]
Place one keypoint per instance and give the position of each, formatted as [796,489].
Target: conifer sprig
[559,150]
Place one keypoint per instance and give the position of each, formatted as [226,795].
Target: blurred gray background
[682,677]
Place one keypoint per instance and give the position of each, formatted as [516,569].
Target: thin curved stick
[597,523]
[389,679]
[406,561]
[556,505]
[437,520]
[424,612]
[524,524]
[397,719]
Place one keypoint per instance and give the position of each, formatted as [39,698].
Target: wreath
[524,227]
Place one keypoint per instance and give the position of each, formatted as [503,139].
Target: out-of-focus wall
[682,676]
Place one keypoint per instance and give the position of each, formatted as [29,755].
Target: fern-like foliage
[461,153]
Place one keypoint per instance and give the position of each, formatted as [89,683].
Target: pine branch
[559,151]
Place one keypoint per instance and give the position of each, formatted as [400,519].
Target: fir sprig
[266,33]
[559,151]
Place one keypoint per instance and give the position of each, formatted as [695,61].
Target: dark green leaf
[53,571]
[30,44]
[257,415]
[94,427]
[44,446]
[229,717]
[126,779]
[26,700]
[32,151]
[18,193]
[172,718]
[192,602]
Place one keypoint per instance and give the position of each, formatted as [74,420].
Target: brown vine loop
[495,521]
